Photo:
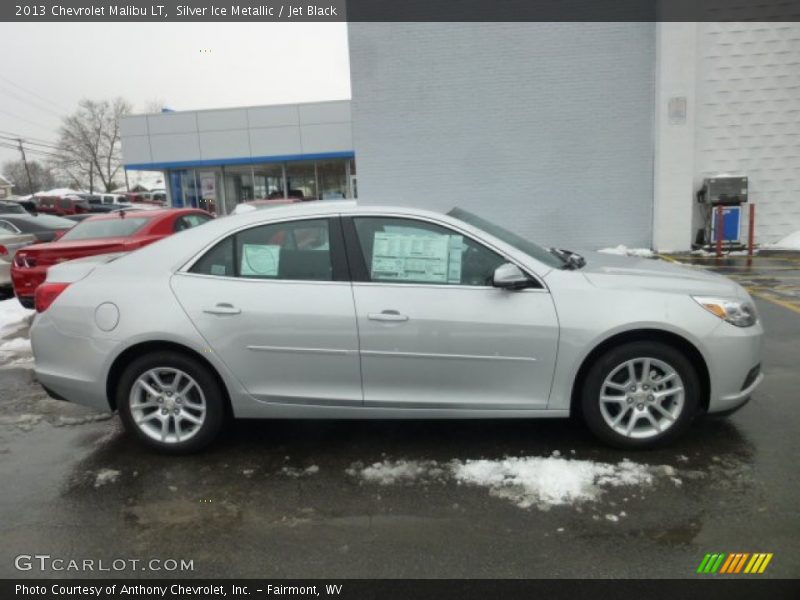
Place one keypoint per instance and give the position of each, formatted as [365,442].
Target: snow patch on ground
[790,242]
[105,476]
[623,250]
[64,421]
[292,472]
[13,317]
[525,481]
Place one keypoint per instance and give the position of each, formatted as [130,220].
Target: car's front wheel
[170,402]
[640,394]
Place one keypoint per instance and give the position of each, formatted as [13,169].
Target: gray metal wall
[216,136]
[544,127]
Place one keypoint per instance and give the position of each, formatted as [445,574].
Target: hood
[610,271]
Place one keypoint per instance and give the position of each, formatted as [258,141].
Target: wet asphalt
[247,507]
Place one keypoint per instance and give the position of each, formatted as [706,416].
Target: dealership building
[582,135]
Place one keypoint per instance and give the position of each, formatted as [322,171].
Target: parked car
[9,244]
[10,207]
[44,228]
[334,310]
[100,234]
[63,205]
[102,203]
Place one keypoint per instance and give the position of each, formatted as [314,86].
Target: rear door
[275,304]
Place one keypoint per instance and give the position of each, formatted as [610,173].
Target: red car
[102,234]
[62,205]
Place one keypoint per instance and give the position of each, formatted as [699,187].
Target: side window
[298,250]
[189,221]
[405,250]
[6,226]
[64,203]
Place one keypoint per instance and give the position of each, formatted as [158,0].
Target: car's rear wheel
[170,402]
[640,395]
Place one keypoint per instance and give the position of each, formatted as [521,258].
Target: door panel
[286,341]
[455,347]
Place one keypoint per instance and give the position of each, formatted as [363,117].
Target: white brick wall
[544,127]
[748,119]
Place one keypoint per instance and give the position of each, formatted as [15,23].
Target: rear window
[47,222]
[102,228]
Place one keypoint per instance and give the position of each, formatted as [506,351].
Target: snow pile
[526,481]
[292,472]
[790,242]
[623,250]
[13,317]
[551,481]
[15,352]
[105,476]
[389,472]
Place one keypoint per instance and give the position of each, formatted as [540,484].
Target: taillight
[46,294]
[3,250]
[21,259]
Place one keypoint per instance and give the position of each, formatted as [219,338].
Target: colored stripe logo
[735,563]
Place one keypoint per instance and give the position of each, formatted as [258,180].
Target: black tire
[215,415]
[610,360]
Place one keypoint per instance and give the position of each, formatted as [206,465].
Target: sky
[48,67]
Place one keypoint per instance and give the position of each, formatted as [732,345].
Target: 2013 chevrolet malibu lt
[336,310]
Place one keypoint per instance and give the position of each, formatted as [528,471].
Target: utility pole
[25,162]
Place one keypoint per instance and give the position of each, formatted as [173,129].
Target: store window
[332,176]
[268,181]
[238,186]
[301,180]
[184,188]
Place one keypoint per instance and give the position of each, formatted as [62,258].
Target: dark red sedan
[102,234]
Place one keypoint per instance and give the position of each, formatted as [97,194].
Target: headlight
[736,312]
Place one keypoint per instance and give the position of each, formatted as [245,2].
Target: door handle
[387,315]
[223,308]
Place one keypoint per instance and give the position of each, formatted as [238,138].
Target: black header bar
[287,11]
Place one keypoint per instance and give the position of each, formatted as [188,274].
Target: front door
[433,331]
[275,304]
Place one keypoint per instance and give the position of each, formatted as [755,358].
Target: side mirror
[510,277]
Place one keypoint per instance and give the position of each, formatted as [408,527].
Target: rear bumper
[26,280]
[71,367]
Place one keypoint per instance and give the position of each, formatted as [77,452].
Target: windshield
[509,237]
[103,228]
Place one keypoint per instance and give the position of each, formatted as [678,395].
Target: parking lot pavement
[296,499]
[774,276]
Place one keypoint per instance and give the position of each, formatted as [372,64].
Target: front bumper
[733,358]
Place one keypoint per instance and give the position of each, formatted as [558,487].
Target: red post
[720,229]
[751,230]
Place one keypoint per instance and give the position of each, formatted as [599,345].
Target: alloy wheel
[167,405]
[641,398]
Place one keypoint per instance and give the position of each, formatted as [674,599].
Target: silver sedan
[337,310]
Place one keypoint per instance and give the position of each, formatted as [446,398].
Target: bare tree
[89,142]
[42,177]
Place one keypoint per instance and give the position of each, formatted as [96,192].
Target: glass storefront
[220,189]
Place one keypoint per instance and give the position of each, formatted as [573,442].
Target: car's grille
[751,376]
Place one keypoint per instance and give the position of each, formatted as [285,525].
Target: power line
[31,92]
[16,135]
[30,102]
[28,141]
[15,116]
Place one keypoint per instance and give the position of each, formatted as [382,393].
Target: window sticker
[415,257]
[260,260]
